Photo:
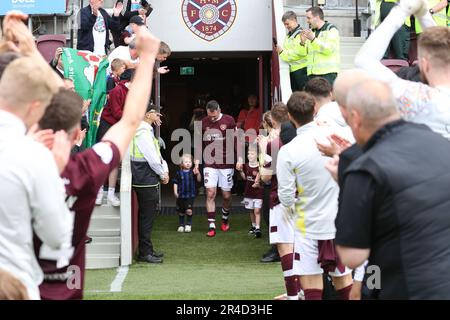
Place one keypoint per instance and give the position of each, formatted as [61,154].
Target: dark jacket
[411,221]
[125,18]
[87,22]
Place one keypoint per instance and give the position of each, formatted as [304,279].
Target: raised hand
[118,9]
[340,141]
[308,34]
[414,7]
[46,137]
[163,70]
[146,43]
[17,34]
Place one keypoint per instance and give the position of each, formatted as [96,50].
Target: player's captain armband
[104,151]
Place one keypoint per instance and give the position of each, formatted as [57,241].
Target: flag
[88,73]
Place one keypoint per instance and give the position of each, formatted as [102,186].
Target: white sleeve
[286,179]
[145,144]
[360,272]
[427,20]
[370,54]
[52,220]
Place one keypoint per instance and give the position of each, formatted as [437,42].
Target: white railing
[126,245]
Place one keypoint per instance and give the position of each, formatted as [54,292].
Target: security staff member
[401,40]
[293,52]
[437,8]
[323,46]
[148,170]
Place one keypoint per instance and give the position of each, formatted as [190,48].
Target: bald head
[345,81]
[374,102]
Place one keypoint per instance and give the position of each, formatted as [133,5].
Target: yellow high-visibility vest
[439,17]
[376,20]
[293,52]
[324,51]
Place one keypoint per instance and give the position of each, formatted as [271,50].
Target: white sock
[253,225]
[212,225]
[111,192]
[256,226]
[100,192]
[292,297]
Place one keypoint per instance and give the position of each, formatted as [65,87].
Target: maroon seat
[47,45]
[395,64]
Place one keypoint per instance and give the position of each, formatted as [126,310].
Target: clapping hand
[308,34]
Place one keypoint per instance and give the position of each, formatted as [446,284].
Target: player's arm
[266,175]
[199,176]
[286,179]
[175,190]
[139,94]
[241,172]
[370,54]
[441,5]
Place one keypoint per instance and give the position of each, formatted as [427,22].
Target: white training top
[99,33]
[301,169]
[123,53]
[32,198]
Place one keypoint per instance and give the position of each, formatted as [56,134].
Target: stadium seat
[47,45]
[395,64]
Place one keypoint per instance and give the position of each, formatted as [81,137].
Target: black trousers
[148,198]
[298,79]
[330,77]
[399,44]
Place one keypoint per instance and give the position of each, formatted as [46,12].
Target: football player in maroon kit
[87,170]
[218,136]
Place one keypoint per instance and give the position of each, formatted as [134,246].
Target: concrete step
[108,239]
[112,248]
[103,233]
[353,39]
[104,222]
[102,261]
[106,210]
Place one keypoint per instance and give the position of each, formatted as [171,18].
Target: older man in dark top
[395,202]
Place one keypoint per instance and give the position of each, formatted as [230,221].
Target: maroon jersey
[272,150]
[84,175]
[250,178]
[215,144]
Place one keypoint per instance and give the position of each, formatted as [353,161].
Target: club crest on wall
[209,19]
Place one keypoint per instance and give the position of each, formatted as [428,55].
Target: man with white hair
[387,214]
[417,102]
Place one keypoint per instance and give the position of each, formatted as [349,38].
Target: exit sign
[187,71]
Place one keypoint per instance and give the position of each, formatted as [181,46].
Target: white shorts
[309,252]
[222,178]
[282,227]
[252,203]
